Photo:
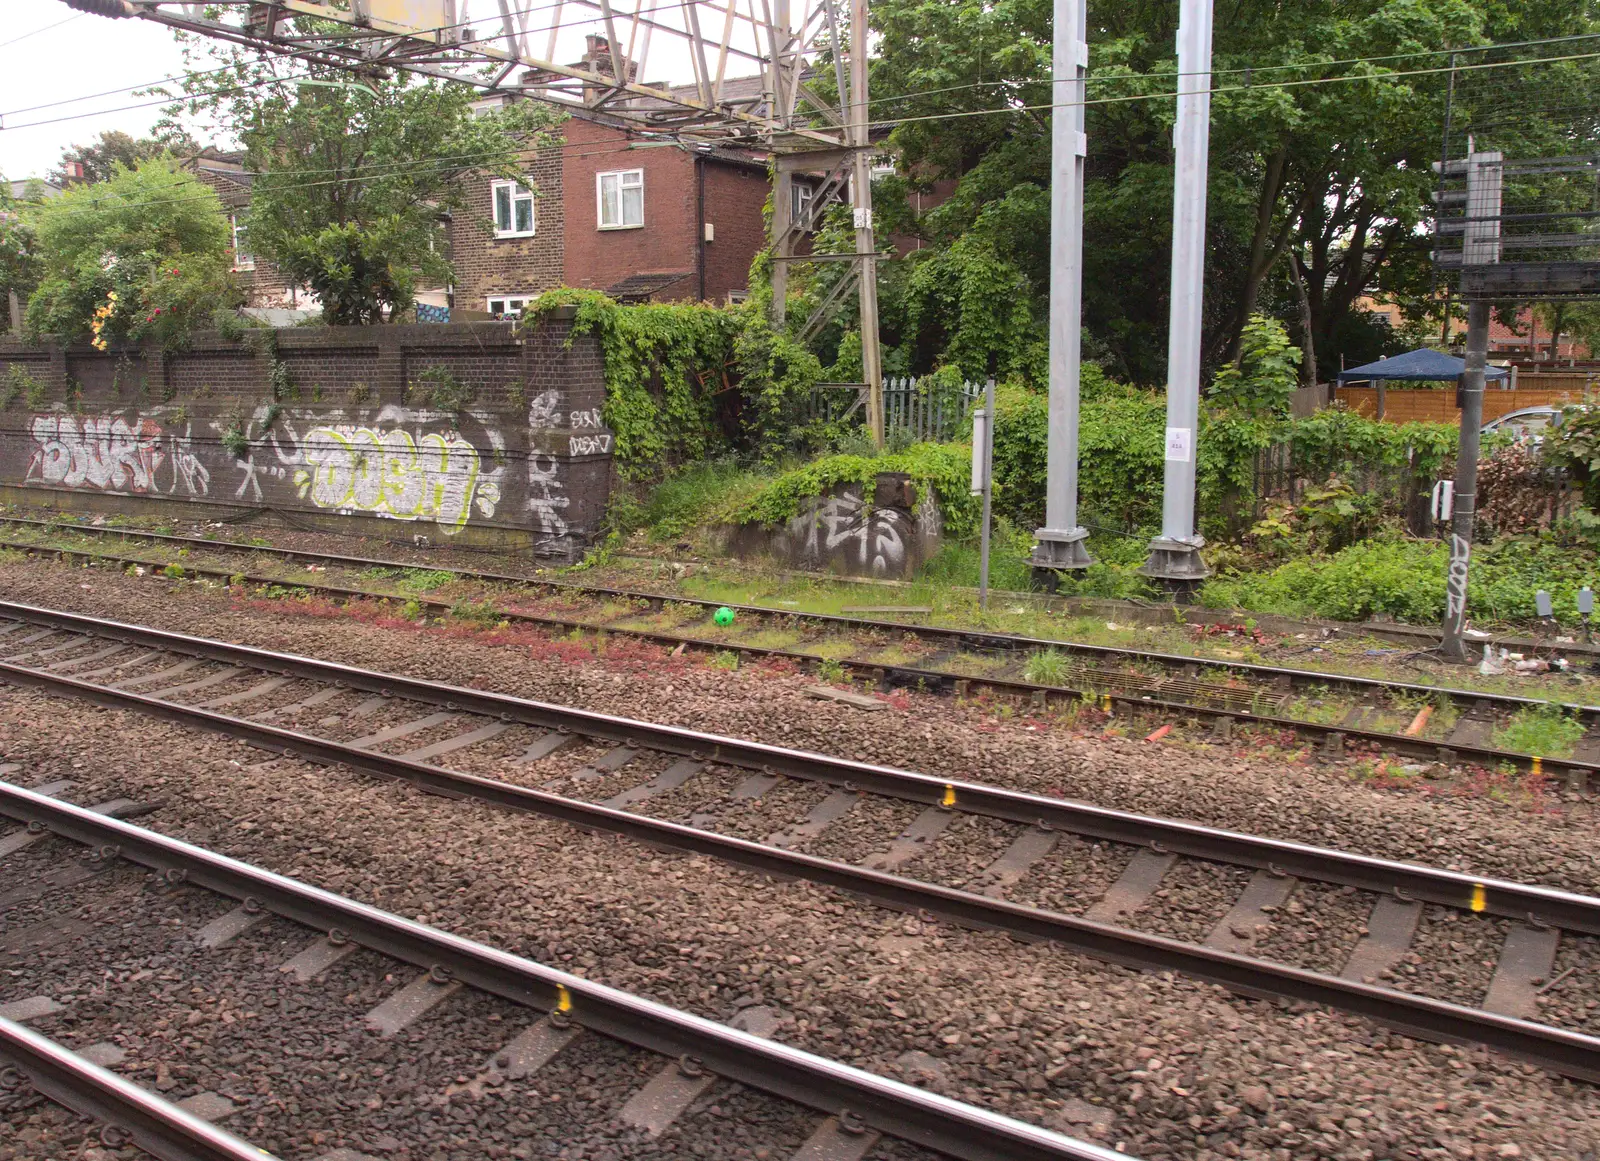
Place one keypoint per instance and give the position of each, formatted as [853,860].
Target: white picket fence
[928,410]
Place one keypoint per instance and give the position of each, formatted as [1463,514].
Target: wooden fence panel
[1438,405]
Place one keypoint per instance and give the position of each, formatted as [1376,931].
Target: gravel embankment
[1163,1066]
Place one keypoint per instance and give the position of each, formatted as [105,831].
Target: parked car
[1524,423]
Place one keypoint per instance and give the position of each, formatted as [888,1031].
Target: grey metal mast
[1059,544]
[1175,554]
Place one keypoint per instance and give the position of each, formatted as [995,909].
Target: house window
[882,165]
[509,305]
[801,196]
[242,258]
[513,209]
[621,199]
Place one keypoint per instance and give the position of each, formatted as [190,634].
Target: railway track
[1089,879]
[266,925]
[1329,709]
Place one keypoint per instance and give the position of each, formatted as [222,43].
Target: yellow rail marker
[1105,702]
[1479,901]
[563,998]
[1538,767]
[949,798]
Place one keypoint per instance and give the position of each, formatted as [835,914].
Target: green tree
[98,160]
[355,175]
[1325,119]
[19,254]
[1262,381]
[142,255]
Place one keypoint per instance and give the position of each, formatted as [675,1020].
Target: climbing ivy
[946,468]
[686,381]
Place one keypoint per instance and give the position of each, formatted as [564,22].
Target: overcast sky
[65,76]
[84,56]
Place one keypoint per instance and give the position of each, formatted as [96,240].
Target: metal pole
[1175,554]
[1480,247]
[866,244]
[988,495]
[1060,543]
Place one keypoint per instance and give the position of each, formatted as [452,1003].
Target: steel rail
[953,637]
[157,1126]
[1569,911]
[899,1110]
[932,679]
[1558,1050]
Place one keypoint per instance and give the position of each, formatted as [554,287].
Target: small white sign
[863,219]
[1179,444]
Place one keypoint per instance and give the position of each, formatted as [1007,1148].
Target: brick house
[604,210]
[264,285]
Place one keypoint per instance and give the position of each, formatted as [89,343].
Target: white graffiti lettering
[1455,592]
[386,473]
[583,419]
[874,536]
[107,452]
[588,445]
[545,499]
[542,411]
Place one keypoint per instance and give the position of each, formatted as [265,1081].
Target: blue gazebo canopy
[1425,364]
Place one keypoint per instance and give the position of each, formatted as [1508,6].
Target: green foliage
[390,153]
[142,255]
[235,440]
[1406,580]
[946,468]
[1546,730]
[686,381]
[968,307]
[687,498]
[1265,377]
[98,161]
[19,249]
[20,383]
[1574,444]
[1047,667]
[724,659]
[441,389]
[1337,515]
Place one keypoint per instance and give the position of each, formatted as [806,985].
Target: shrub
[1264,380]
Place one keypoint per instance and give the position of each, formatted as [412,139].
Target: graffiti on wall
[381,468]
[114,453]
[844,523]
[385,472]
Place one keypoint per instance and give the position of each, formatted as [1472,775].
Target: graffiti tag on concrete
[383,471]
[113,453]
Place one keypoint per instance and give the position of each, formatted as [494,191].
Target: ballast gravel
[1163,1067]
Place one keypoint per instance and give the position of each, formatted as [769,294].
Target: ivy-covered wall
[478,432]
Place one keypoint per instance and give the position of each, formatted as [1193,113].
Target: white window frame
[511,305]
[627,179]
[241,259]
[519,193]
[802,195]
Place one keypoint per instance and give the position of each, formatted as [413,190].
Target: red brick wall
[487,265]
[735,197]
[596,258]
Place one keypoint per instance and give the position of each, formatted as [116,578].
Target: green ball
[723,616]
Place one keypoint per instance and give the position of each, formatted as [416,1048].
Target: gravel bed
[1073,876]
[958,856]
[706,793]
[1028,1030]
[1571,999]
[1453,955]
[872,824]
[1317,928]
[1223,785]
[302,1070]
[1191,901]
[779,808]
[703,936]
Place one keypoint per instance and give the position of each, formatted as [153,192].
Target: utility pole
[1060,543]
[866,243]
[1480,247]
[1175,554]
